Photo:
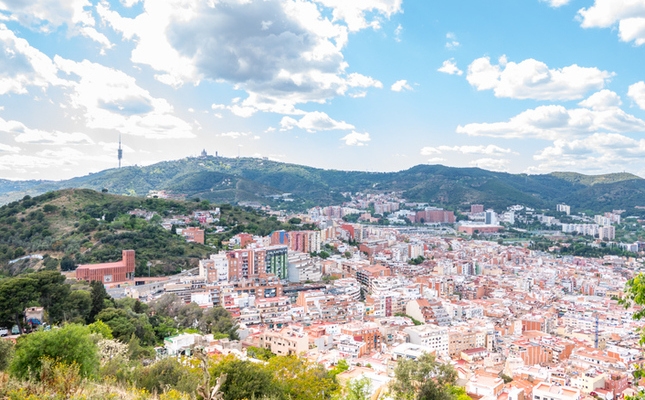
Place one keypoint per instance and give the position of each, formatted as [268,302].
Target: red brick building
[193,234]
[115,272]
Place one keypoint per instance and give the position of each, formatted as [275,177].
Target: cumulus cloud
[295,59]
[23,134]
[637,93]
[603,100]
[400,86]
[111,99]
[554,122]
[629,15]
[314,121]
[532,79]
[5,148]
[356,139]
[600,152]
[48,15]
[494,164]
[451,41]
[58,159]
[450,67]
[490,149]
[23,66]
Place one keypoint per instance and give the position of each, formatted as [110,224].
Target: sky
[530,86]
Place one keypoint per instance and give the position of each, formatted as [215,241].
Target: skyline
[375,85]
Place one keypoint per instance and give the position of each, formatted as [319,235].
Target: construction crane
[596,331]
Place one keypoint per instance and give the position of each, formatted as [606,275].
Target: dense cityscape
[404,280]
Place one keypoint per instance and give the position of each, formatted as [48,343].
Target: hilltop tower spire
[120,151]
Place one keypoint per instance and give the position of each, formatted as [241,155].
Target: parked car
[4,331]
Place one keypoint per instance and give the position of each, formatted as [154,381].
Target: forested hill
[250,179]
[77,226]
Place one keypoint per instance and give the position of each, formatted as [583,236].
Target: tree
[15,295]
[244,379]
[101,328]
[68,345]
[79,305]
[300,379]
[6,354]
[423,378]
[99,295]
[218,320]
[356,389]
[67,264]
[54,293]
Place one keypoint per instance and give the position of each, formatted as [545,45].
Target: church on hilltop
[115,272]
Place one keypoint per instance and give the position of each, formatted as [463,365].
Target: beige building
[462,338]
[546,391]
[589,381]
[286,341]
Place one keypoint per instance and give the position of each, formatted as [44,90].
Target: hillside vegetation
[234,180]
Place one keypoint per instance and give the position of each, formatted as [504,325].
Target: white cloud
[356,139]
[233,134]
[23,134]
[397,33]
[600,152]
[490,149]
[48,15]
[532,79]
[628,14]
[603,100]
[23,65]
[294,60]
[436,160]
[400,86]
[5,148]
[451,41]
[637,93]
[556,3]
[64,158]
[353,13]
[314,121]
[450,67]
[112,99]
[554,122]
[494,164]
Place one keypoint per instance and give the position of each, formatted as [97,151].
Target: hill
[235,180]
[76,226]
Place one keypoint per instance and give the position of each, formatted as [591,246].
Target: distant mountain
[237,180]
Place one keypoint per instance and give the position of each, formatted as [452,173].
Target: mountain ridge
[238,180]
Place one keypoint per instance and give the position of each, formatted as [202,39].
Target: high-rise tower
[120,151]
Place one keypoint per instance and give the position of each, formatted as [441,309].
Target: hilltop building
[115,272]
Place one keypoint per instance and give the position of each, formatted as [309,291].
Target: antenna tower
[120,151]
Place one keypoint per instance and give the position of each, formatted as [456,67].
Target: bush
[68,345]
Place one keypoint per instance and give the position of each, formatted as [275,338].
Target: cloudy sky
[380,85]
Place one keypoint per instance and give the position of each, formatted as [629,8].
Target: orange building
[193,234]
[115,272]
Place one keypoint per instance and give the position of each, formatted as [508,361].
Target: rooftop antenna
[120,151]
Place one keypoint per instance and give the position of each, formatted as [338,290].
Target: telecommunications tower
[120,151]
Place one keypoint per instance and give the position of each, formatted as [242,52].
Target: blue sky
[530,86]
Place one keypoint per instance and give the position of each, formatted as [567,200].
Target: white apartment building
[214,269]
[432,336]
[302,268]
